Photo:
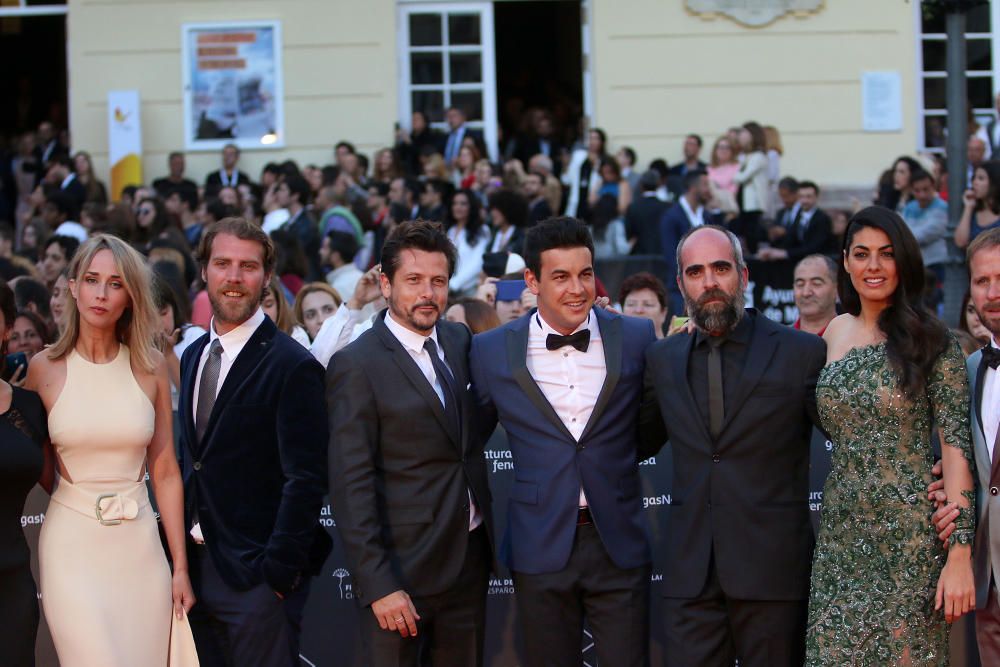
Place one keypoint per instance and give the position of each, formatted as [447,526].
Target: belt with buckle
[109,509]
[583,517]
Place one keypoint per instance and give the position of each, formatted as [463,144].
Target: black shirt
[734,349]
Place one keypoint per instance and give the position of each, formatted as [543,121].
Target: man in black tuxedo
[642,219]
[737,401]
[253,449]
[810,234]
[407,474]
[229,176]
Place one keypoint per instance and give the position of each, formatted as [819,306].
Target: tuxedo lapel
[611,339]
[517,359]
[977,391]
[416,377]
[762,348]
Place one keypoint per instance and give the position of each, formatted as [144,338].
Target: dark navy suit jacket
[550,466]
[258,477]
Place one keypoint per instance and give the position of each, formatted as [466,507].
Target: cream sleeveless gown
[106,587]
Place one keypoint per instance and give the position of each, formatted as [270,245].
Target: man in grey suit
[984,419]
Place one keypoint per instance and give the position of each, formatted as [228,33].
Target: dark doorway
[539,65]
[33,51]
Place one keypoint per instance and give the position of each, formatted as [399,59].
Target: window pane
[934,55]
[934,131]
[430,102]
[981,92]
[463,29]
[471,102]
[426,68]
[979,55]
[978,19]
[466,68]
[425,29]
[934,94]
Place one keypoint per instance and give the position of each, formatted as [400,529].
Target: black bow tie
[991,356]
[580,340]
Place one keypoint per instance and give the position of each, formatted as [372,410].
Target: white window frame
[981,114]
[486,49]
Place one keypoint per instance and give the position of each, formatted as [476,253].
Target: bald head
[976,150]
[721,240]
[712,277]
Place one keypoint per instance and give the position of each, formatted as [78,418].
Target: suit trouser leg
[551,608]
[769,633]
[238,628]
[698,632]
[452,625]
[988,629]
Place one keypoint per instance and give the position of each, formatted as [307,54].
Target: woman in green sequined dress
[883,590]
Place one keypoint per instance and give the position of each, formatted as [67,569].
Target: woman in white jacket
[752,178]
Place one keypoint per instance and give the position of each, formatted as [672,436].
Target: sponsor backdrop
[330,628]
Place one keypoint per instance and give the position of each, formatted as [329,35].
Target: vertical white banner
[124,140]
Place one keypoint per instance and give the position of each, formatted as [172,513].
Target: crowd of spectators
[328,221]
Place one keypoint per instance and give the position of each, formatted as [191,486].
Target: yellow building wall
[339,75]
[660,72]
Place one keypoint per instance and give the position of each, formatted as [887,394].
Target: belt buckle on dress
[100,517]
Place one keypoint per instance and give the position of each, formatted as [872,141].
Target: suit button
[994,490]
[196,465]
[716,458]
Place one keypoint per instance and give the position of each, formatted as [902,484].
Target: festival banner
[233,87]
[124,140]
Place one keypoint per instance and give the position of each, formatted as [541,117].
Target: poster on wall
[232,85]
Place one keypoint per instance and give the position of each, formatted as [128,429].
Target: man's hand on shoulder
[395,612]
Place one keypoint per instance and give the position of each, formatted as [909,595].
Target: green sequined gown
[877,559]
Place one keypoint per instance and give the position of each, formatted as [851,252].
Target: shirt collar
[740,334]
[411,340]
[233,341]
[540,327]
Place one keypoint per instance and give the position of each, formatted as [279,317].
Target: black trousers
[253,628]
[452,624]
[713,629]
[551,609]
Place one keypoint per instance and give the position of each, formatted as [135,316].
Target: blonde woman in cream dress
[108,594]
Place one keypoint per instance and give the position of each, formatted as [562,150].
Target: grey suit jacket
[986,559]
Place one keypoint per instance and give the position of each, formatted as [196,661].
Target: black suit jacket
[400,475]
[642,222]
[743,497]
[818,237]
[257,479]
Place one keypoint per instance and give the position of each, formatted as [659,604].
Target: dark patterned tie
[447,385]
[208,387]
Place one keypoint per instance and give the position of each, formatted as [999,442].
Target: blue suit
[550,466]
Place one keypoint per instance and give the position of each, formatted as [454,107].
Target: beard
[417,321]
[234,312]
[719,318]
[992,324]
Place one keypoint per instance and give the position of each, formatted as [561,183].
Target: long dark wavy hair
[914,337]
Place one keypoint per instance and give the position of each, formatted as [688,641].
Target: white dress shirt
[991,404]
[569,379]
[232,343]
[695,216]
[413,343]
